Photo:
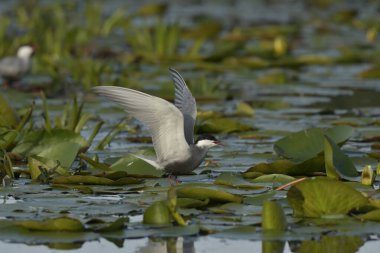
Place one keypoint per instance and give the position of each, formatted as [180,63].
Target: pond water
[328,77]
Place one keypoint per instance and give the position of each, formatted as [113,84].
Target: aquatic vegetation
[294,100]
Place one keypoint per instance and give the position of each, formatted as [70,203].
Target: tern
[13,68]
[170,125]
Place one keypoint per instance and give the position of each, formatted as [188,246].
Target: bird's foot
[173,180]
[212,163]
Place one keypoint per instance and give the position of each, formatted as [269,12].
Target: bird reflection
[168,245]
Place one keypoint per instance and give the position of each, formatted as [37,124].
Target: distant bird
[171,126]
[13,68]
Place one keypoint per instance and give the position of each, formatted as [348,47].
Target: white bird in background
[13,68]
[171,126]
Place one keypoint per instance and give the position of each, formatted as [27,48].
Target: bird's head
[207,141]
[25,51]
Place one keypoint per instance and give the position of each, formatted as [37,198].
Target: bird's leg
[174,181]
[6,83]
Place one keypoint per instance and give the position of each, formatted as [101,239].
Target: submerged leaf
[322,196]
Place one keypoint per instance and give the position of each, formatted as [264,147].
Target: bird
[170,125]
[13,68]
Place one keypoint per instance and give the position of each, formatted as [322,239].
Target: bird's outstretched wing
[185,102]
[163,119]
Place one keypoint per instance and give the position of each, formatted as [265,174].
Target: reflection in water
[337,244]
[273,246]
[168,245]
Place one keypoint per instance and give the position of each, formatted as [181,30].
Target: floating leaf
[338,164]
[56,224]
[223,125]
[372,215]
[192,203]
[96,180]
[157,214]
[322,196]
[244,110]
[207,193]
[279,178]
[287,167]
[235,180]
[306,144]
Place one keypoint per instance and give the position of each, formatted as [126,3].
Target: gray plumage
[13,68]
[171,126]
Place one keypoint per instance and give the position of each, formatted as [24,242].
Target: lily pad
[157,214]
[338,164]
[235,180]
[223,125]
[318,197]
[207,193]
[306,144]
[287,167]
[56,224]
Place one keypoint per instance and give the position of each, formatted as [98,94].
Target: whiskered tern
[13,68]
[170,125]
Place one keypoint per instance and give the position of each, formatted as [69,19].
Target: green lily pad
[223,125]
[338,164]
[244,110]
[318,197]
[95,180]
[372,215]
[157,214]
[207,193]
[279,178]
[235,180]
[56,224]
[306,144]
[287,167]
[192,203]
